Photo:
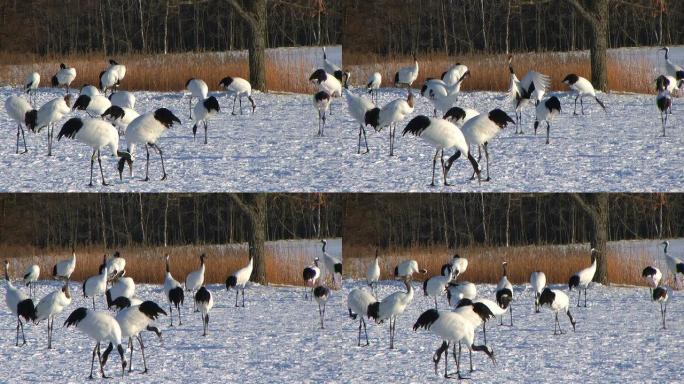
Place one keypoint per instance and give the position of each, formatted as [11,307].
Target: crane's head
[500,118]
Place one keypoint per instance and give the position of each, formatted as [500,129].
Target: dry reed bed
[170,72]
[557,262]
[146,264]
[163,73]
[490,72]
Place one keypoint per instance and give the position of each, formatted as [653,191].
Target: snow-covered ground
[277,149]
[276,338]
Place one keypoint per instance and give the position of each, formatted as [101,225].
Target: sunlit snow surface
[276,338]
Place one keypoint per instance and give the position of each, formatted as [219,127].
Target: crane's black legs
[243,297]
[663,310]
[362,129]
[321,314]
[190,108]
[142,352]
[486,151]
[99,161]
[205,322]
[23,137]
[391,331]
[180,322]
[434,165]
[20,325]
[484,331]
[362,322]
[205,131]
[161,156]
[92,165]
[392,133]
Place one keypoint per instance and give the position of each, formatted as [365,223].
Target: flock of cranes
[132,315]
[455,323]
[108,118]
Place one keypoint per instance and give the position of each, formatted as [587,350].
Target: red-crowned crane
[238,280]
[582,278]
[532,87]
[19,304]
[545,112]
[101,327]
[558,301]
[97,134]
[581,87]
[239,87]
[442,135]
[52,305]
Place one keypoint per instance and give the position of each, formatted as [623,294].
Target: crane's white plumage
[581,87]
[31,84]
[204,110]
[196,88]
[532,87]
[134,320]
[19,110]
[174,292]
[582,278]
[311,274]
[31,277]
[109,78]
[123,99]
[326,82]
[146,129]
[238,280]
[101,327]
[373,273]
[455,267]
[674,70]
[483,128]
[64,268]
[406,269]
[19,304]
[675,266]
[538,283]
[89,90]
[545,112]
[333,264]
[391,307]
[64,77]
[119,69]
[557,301]
[407,75]
[97,134]
[436,286]
[195,279]
[455,75]
[452,328]
[238,87]
[116,264]
[52,305]
[390,115]
[358,106]
[204,301]
[121,287]
[358,302]
[49,114]
[121,117]
[373,84]
[95,106]
[96,285]
[504,292]
[461,290]
[652,276]
[442,135]
[321,101]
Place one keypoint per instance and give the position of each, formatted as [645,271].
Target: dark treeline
[504,219]
[378,26]
[157,219]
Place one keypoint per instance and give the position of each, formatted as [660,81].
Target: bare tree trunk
[255,208]
[508,218]
[166,220]
[508,22]
[142,25]
[596,15]
[255,15]
[597,208]
[142,219]
[166,28]
[484,31]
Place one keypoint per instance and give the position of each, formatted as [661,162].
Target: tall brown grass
[146,264]
[161,72]
[557,262]
[489,72]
